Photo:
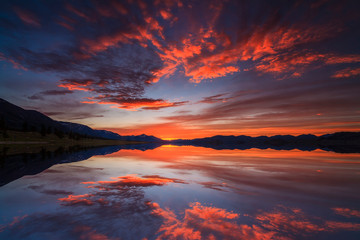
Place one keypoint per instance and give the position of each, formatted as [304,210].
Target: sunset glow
[185,69]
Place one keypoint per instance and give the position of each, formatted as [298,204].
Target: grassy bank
[33,142]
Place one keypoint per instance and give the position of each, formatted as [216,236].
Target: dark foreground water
[187,193]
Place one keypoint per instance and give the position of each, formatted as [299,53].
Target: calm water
[188,193]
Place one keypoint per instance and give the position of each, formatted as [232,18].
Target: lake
[184,192]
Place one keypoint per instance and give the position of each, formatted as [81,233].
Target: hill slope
[19,119]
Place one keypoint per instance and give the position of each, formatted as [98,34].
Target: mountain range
[344,142]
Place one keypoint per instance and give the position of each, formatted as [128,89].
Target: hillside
[15,118]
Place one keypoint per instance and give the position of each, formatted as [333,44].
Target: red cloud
[347,212]
[134,181]
[89,234]
[119,7]
[165,14]
[27,17]
[207,222]
[294,221]
[77,199]
[209,72]
[209,54]
[285,63]
[66,25]
[197,221]
[206,53]
[15,64]
[149,104]
[78,12]
[140,33]
[295,63]
[342,59]
[82,85]
[201,222]
[348,72]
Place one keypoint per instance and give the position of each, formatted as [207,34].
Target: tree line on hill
[43,130]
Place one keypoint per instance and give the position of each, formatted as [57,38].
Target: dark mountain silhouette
[343,142]
[87,131]
[17,118]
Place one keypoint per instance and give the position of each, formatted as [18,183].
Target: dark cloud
[27,17]
[66,109]
[133,103]
[215,98]
[40,95]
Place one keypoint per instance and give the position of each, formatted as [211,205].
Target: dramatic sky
[185,69]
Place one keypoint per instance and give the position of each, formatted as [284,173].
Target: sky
[185,69]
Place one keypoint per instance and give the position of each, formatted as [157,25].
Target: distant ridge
[338,142]
[17,118]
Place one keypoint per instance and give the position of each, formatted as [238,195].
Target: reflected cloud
[134,181]
[261,172]
[87,233]
[295,222]
[347,212]
[15,221]
[122,202]
[214,185]
[77,199]
[136,206]
[202,222]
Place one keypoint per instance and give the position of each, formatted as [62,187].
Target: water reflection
[14,166]
[188,193]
